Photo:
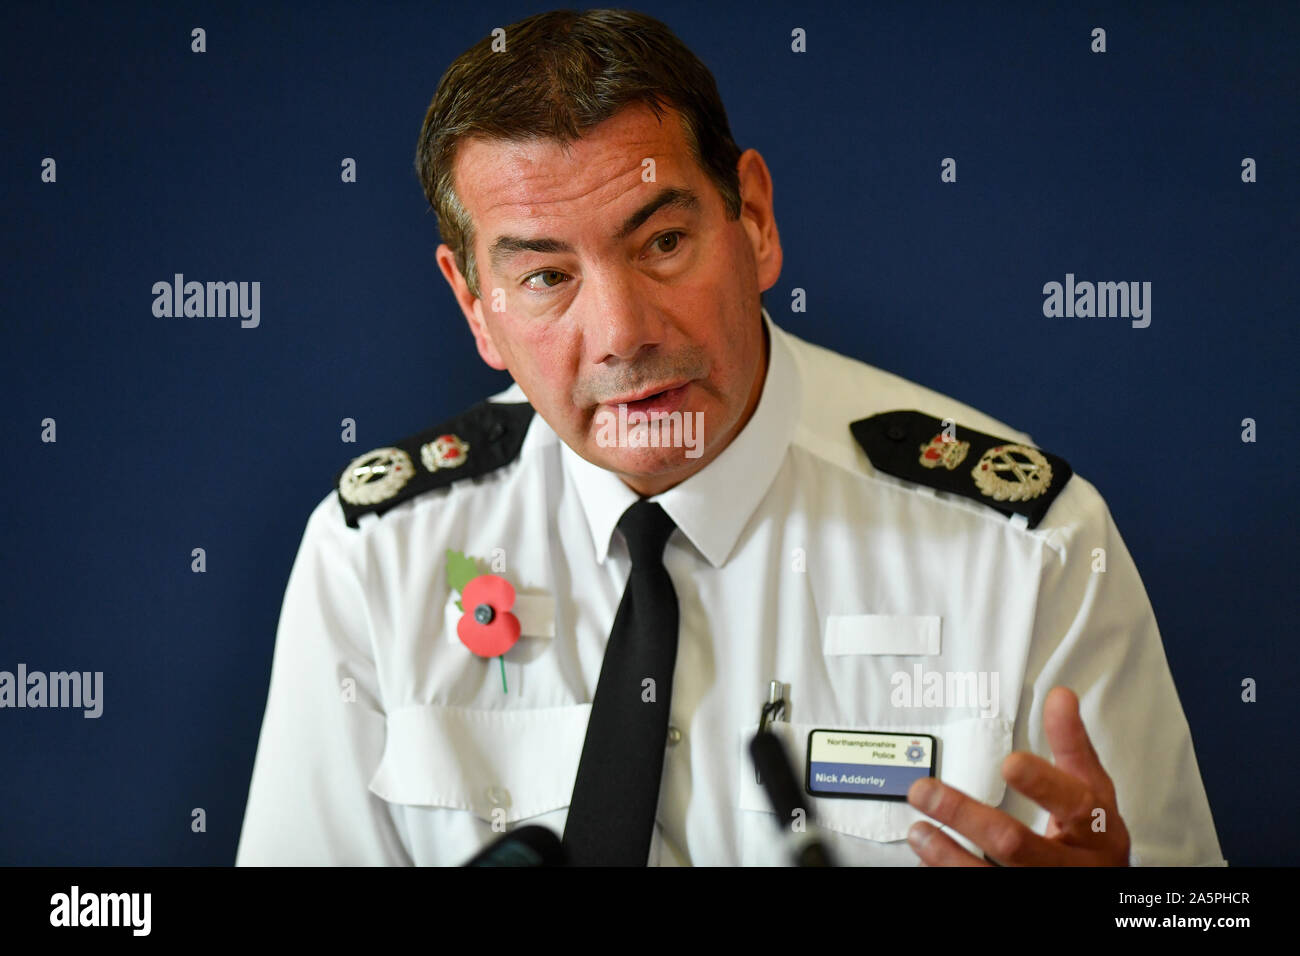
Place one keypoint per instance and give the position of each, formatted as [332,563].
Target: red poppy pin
[486,625]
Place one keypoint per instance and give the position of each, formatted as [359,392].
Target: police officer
[567,605]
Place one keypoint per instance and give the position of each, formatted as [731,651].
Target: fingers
[1069,741]
[936,848]
[1063,795]
[1085,830]
[1004,838]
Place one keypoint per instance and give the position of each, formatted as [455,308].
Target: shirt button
[498,797]
[674,736]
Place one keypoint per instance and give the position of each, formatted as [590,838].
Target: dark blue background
[183,433]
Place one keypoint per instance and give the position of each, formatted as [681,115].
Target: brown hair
[562,73]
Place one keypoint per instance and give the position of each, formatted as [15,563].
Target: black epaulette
[473,443]
[1012,478]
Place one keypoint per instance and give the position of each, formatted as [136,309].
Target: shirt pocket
[460,777]
[881,634]
[868,832]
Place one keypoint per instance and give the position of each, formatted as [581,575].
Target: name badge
[866,764]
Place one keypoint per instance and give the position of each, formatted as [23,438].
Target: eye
[544,275]
[676,238]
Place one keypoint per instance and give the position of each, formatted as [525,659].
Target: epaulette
[1005,475]
[478,441]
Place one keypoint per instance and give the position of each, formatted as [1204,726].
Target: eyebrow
[671,197]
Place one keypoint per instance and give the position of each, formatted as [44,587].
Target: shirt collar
[712,506]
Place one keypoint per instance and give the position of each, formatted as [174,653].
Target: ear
[759,218]
[471,306]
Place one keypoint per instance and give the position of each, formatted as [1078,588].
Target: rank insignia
[1012,473]
[375,476]
[445,451]
[1010,477]
[942,451]
[385,478]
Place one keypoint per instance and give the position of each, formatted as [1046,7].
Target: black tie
[612,813]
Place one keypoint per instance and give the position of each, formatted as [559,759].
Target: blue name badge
[867,764]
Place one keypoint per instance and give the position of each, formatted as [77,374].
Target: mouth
[646,393]
[656,399]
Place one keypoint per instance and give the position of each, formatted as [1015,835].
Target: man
[566,606]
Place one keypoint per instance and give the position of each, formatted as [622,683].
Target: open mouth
[660,402]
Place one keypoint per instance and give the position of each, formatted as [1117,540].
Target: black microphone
[787,799]
[527,846]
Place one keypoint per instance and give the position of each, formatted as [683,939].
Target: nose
[620,324]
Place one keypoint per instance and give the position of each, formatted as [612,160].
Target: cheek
[543,364]
[517,341]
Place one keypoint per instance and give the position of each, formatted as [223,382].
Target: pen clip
[774,709]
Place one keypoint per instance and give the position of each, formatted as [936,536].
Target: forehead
[501,181]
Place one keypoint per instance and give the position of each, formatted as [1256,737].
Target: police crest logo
[376,476]
[941,451]
[445,451]
[1029,473]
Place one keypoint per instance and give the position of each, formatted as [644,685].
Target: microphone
[783,792]
[528,846]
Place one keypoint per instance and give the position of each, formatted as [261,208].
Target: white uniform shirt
[386,741]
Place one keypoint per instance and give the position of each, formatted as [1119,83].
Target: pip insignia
[445,451]
[941,451]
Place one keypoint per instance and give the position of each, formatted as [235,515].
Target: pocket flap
[971,752]
[521,761]
[881,634]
